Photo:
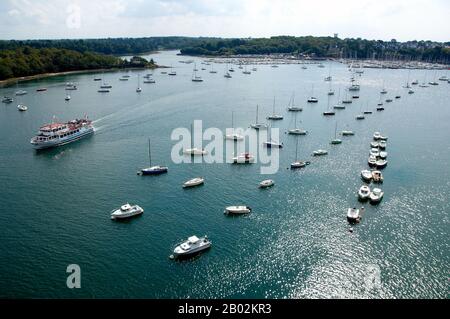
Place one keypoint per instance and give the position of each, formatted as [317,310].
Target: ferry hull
[71,139]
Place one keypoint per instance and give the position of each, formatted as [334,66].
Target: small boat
[339,107]
[383,91]
[383,155]
[347,101]
[71,87]
[320,153]
[21,92]
[383,138]
[163,72]
[22,108]
[192,246]
[67,98]
[245,158]
[195,151]
[126,76]
[389,100]
[380,108]
[7,99]
[266,184]
[433,83]
[411,91]
[354,87]
[274,117]
[272,144]
[377,177]
[312,99]
[123,79]
[443,78]
[367,176]
[335,141]
[374,152]
[377,136]
[347,133]
[153,170]
[172,73]
[364,193]
[106,86]
[372,161]
[354,215]
[381,163]
[376,196]
[292,107]
[360,117]
[257,125]
[298,164]
[415,82]
[238,210]
[139,89]
[103,90]
[304,67]
[149,81]
[329,113]
[194,182]
[254,69]
[126,211]
[382,144]
[355,97]
[97,79]
[41,90]
[374,144]
[367,112]
[297,131]
[228,75]
[197,78]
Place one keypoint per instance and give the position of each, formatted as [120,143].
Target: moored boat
[194,182]
[237,210]
[126,211]
[192,246]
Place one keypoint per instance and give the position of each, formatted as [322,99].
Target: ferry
[57,134]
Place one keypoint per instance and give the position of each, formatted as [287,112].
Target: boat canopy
[193,239]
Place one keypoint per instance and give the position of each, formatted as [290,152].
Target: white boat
[21,92]
[383,138]
[257,125]
[377,177]
[354,87]
[381,163]
[7,99]
[364,193]
[374,144]
[376,136]
[234,136]
[194,182]
[103,91]
[292,107]
[238,210]
[192,246]
[245,158]
[320,153]
[382,144]
[139,89]
[335,141]
[372,161]
[296,130]
[153,170]
[360,117]
[195,151]
[347,133]
[195,77]
[312,98]
[71,87]
[376,195]
[22,108]
[354,215]
[266,184]
[366,175]
[172,72]
[67,97]
[374,152]
[126,211]
[297,163]
[383,155]
[274,117]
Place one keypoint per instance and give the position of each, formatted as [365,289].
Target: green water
[296,243]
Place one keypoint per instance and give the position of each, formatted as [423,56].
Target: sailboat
[335,141]
[274,117]
[194,151]
[139,89]
[227,74]
[257,125]
[339,106]
[347,100]
[407,86]
[298,164]
[295,130]
[153,170]
[292,107]
[104,88]
[329,112]
[312,99]
[234,136]
[246,71]
[195,77]
[347,132]
[271,144]
[212,69]
[383,90]
[172,72]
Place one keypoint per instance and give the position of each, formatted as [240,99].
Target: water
[296,244]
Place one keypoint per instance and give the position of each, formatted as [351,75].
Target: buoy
[351,229]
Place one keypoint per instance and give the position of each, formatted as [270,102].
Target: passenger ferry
[57,134]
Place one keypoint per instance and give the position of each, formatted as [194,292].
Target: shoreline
[11,81]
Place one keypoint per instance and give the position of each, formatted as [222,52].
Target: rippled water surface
[296,244]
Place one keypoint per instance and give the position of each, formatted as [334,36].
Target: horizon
[413,20]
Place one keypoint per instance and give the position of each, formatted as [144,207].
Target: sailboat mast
[149,153]
[257,111]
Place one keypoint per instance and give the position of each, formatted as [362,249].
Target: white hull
[84,132]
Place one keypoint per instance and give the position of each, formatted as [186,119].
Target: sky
[402,20]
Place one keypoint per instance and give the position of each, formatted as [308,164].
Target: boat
[22,108]
[354,87]
[7,99]
[194,182]
[71,87]
[372,161]
[257,125]
[354,215]
[397,97]
[123,79]
[192,246]
[41,90]
[364,193]
[297,131]
[360,117]
[433,83]
[335,141]
[67,98]
[377,136]
[21,92]
[244,158]
[139,89]
[194,151]
[347,133]
[374,144]
[127,211]
[172,72]
[272,144]
[415,82]
[383,138]
[266,184]
[381,163]
[312,99]
[97,79]
[320,153]
[274,117]
[57,134]
[367,112]
[383,155]
[389,100]
[355,96]
[329,113]
[227,75]
[367,176]
[246,71]
[443,78]
[237,210]
[292,107]
[149,81]
[382,144]
[410,91]
[374,152]
[103,90]
[376,196]
[377,177]
[298,164]
[380,108]
[153,170]
[234,136]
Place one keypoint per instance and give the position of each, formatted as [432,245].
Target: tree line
[27,61]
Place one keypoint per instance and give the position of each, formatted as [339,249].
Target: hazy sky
[371,19]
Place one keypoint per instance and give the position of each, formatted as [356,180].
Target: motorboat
[379,109]
[354,215]
[374,144]
[383,155]
[227,75]
[389,100]
[71,87]
[21,92]
[312,99]
[364,193]
[266,184]
[7,99]
[245,158]
[320,153]
[398,97]
[336,141]
[347,133]
[383,91]
[41,90]
[329,113]
[367,112]
[367,175]
[22,108]
[192,246]
[381,163]
[103,90]
[237,210]
[297,131]
[339,107]
[67,98]
[126,211]
[360,117]
[376,195]
[374,152]
[377,177]
[377,136]
[372,161]
[194,182]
